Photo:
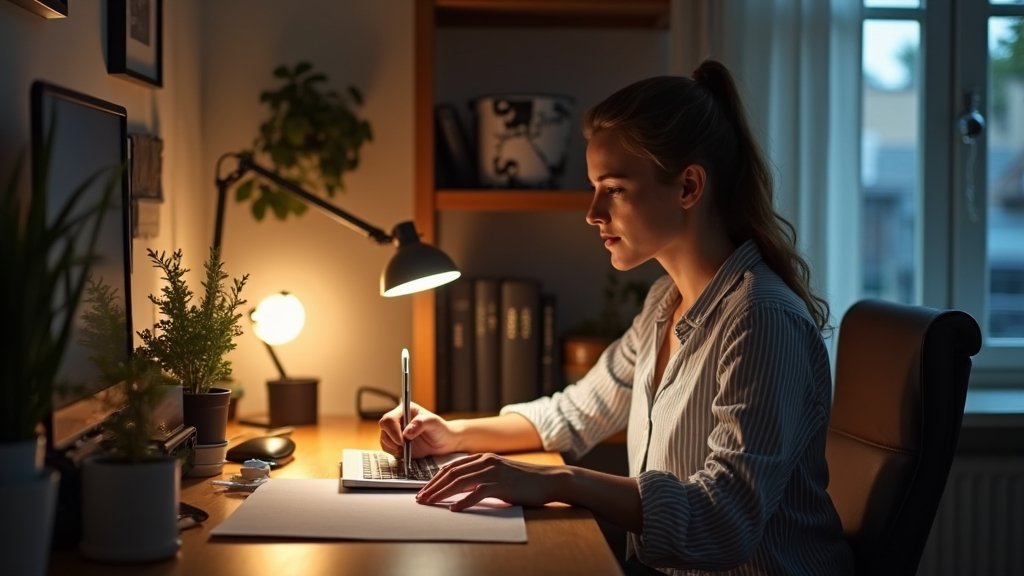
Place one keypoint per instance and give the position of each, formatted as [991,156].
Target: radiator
[979,527]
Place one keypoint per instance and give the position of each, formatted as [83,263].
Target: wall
[217,59]
[353,336]
[72,52]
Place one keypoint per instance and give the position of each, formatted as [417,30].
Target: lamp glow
[278,318]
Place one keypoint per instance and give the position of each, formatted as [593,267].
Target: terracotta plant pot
[579,354]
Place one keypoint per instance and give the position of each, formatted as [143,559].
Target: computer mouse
[274,450]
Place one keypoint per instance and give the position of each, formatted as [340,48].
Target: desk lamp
[414,267]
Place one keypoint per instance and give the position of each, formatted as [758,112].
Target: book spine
[520,340]
[443,338]
[485,303]
[463,396]
[550,377]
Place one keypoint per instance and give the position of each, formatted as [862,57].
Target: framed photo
[135,40]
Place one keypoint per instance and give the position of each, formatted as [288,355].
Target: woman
[722,381]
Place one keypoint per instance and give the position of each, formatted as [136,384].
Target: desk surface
[561,540]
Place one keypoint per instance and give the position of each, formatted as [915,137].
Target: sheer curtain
[797,63]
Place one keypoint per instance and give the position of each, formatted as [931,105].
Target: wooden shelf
[639,16]
[648,14]
[490,200]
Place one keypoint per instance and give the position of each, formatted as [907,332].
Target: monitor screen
[89,141]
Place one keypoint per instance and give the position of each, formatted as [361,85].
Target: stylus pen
[406,445]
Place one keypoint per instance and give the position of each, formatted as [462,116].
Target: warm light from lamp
[278,318]
[415,266]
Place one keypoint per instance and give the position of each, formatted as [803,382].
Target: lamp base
[292,401]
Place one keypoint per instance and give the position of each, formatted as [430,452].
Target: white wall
[72,52]
[353,336]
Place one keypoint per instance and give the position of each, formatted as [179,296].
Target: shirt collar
[735,266]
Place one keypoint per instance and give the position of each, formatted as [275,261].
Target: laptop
[378,469]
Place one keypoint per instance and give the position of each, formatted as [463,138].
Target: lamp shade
[415,266]
[278,318]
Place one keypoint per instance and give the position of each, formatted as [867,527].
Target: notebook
[378,469]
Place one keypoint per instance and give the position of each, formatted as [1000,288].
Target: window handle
[972,126]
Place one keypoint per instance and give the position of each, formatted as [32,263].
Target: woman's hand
[429,433]
[489,475]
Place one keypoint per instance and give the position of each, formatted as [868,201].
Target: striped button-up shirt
[729,447]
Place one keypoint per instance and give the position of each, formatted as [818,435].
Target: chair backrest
[901,382]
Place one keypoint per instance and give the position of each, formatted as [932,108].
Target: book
[442,336]
[520,340]
[456,153]
[485,305]
[550,373]
[460,309]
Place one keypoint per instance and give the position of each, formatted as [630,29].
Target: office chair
[901,383]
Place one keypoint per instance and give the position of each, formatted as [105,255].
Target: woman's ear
[692,181]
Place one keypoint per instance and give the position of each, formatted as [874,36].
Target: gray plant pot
[130,510]
[208,412]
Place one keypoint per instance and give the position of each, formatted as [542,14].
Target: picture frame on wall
[135,40]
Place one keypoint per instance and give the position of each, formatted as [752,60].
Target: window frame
[947,240]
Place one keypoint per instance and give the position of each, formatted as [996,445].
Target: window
[942,195]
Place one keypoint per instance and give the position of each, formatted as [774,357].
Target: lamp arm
[246,164]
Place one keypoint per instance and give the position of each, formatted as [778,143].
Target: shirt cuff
[665,509]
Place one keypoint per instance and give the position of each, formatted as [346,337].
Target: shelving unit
[555,17]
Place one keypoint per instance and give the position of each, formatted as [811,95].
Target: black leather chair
[901,382]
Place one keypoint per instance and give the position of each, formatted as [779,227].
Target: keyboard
[384,466]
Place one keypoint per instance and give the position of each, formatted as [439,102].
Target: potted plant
[45,262]
[583,344]
[190,342]
[313,137]
[130,492]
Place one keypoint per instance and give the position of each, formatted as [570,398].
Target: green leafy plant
[313,137]
[191,341]
[45,261]
[137,383]
[621,301]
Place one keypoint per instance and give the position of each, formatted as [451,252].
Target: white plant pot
[29,503]
[130,510]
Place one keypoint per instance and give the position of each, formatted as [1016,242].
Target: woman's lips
[609,240]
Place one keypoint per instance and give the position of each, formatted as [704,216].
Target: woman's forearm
[614,498]
[505,433]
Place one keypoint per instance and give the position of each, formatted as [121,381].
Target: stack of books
[496,344]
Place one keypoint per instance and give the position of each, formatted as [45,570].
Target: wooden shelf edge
[652,14]
[513,200]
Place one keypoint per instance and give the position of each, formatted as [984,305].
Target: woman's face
[639,217]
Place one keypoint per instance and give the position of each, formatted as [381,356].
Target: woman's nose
[597,214]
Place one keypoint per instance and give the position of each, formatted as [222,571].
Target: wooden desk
[561,540]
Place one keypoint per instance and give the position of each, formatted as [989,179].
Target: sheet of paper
[300,508]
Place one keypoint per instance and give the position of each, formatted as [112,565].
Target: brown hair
[675,122]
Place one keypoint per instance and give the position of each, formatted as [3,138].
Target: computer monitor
[89,137]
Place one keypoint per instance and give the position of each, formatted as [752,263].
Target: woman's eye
[613,190]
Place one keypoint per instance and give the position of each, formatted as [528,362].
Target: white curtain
[797,64]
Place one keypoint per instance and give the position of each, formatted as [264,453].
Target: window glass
[890,149]
[1005,171]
